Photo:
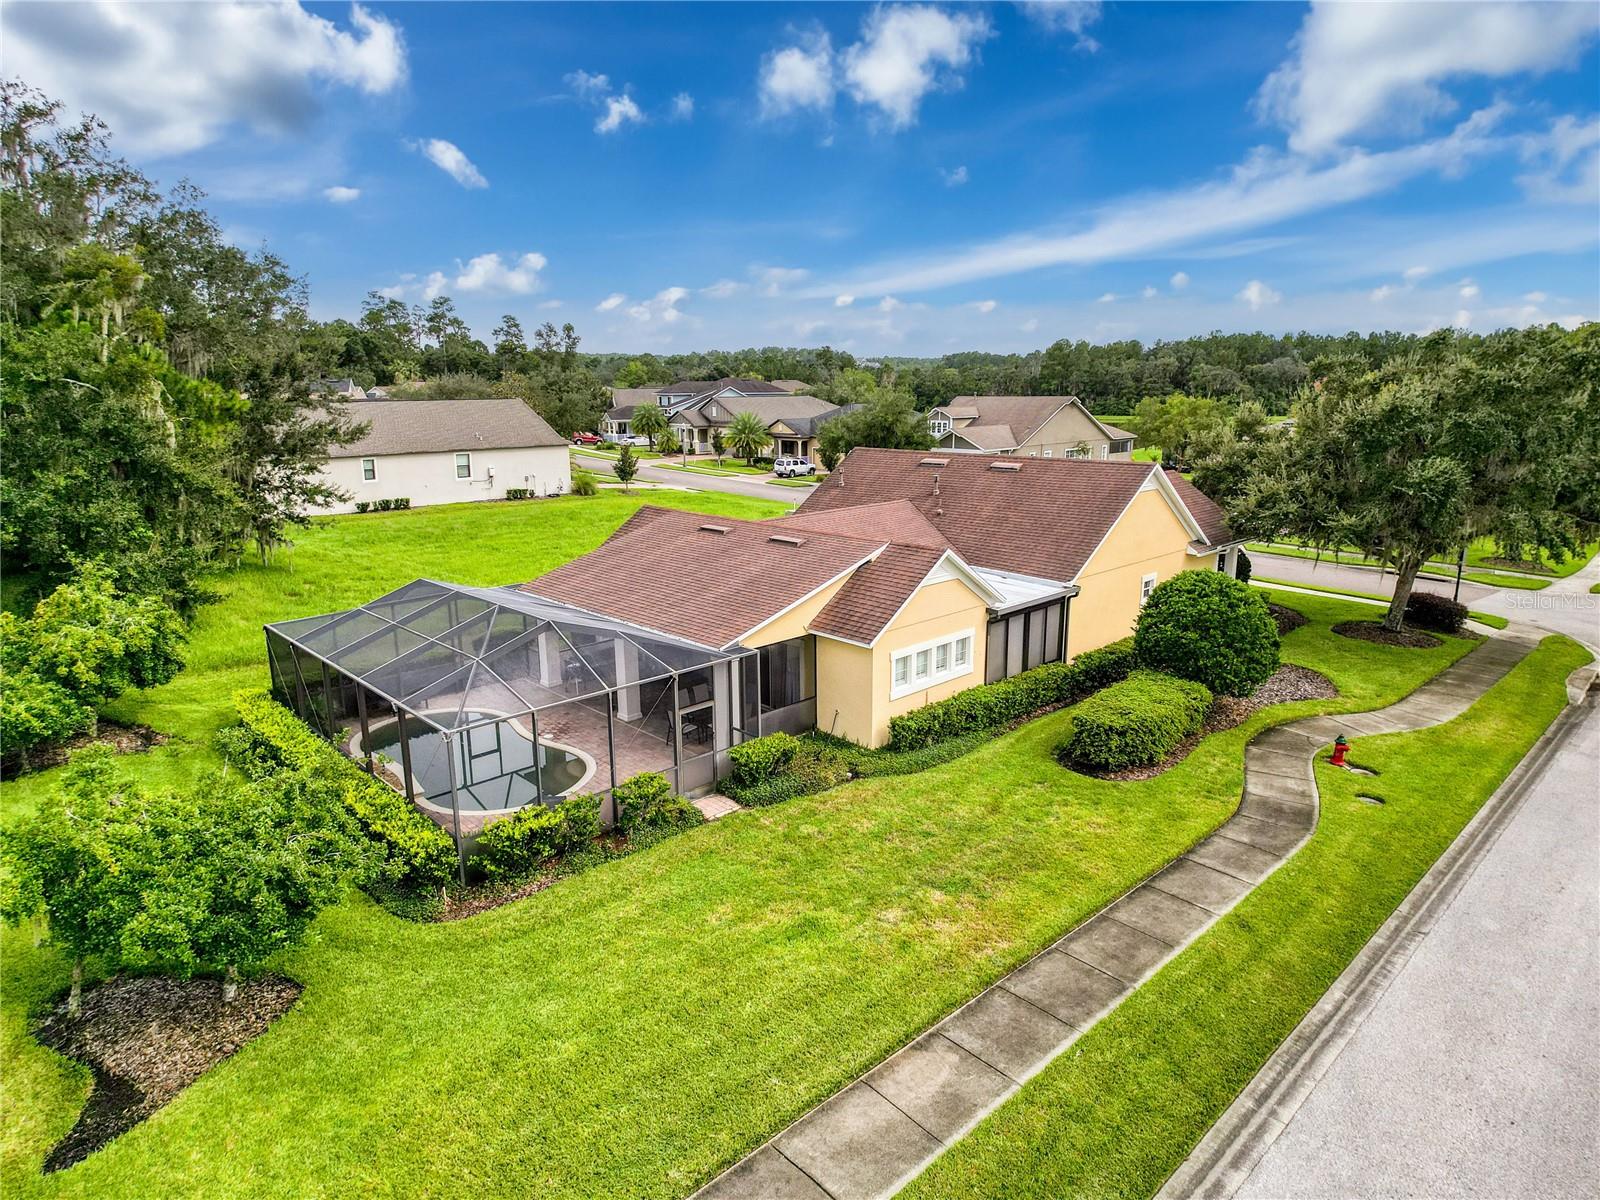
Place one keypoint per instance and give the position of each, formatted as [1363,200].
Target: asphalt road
[1477,1073]
[1356,579]
[737,485]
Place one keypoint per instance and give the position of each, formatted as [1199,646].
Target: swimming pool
[495,764]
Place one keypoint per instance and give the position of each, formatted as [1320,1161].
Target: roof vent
[787,540]
[1005,466]
[934,462]
[717,528]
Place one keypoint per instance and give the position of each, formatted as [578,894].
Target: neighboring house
[695,423]
[445,451]
[675,398]
[796,436]
[794,387]
[1031,426]
[347,389]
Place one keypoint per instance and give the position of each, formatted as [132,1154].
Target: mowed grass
[344,561]
[1491,619]
[636,1028]
[1118,1113]
[1479,555]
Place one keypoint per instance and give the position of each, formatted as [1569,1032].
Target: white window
[1049,453]
[369,468]
[939,426]
[463,466]
[919,667]
[1146,586]
[1105,450]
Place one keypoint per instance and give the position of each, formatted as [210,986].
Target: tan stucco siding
[854,684]
[1148,539]
[1063,433]
[797,620]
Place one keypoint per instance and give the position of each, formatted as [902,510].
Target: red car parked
[585,439]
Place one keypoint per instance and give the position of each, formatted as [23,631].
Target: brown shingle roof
[431,426]
[1207,512]
[891,521]
[987,437]
[1024,414]
[662,569]
[873,595]
[1044,518]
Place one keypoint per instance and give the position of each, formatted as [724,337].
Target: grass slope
[1118,1113]
[640,1026]
[344,561]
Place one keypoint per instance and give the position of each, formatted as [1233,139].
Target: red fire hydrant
[1340,746]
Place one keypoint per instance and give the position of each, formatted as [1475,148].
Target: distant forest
[1109,378]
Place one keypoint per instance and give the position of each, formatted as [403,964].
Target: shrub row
[1135,723]
[383,505]
[518,844]
[516,493]
[1428,610]
[417,853]
[761,758]
[992,705]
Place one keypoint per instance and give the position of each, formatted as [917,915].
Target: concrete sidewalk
[871,1138]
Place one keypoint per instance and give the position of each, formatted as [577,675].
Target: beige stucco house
[448,451]
[1030,426]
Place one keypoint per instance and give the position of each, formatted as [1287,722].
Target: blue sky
[911,179]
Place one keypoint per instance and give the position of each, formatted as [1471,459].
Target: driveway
[736,485]
[1477,1071]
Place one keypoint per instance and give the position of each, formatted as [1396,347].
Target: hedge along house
[475,702]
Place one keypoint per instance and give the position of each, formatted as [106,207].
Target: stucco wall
[854,684]
[431,478]
[1148,539]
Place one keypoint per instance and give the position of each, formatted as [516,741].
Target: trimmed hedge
[992,705]
[647,801]
[519,844]
[417,853]
[1429,610]
[1135,723]
[761,758]
[1203,626]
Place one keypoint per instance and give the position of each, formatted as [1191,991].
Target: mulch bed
[1286,684]
[146,1038]
[124,739]
[1286,618]
[1373,631]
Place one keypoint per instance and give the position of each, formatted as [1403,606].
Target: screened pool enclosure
[475,702]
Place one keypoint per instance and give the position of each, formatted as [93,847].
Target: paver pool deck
[877,1134]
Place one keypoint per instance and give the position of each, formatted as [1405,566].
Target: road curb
[1228,1154]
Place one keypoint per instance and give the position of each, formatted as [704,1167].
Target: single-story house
[1029,426]
[674,398]
[446,451]
[796,436]
[783,416]
[903,579]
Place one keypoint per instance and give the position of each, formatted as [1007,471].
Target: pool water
[495,768]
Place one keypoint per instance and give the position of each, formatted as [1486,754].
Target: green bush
[363,505]
[1136,722]
[520,844]
[761,758]
[1429,610]
[583,484]
[34,712]
[417,853]
[516,493]
[647,801]
[1203,626]
[992,705]
[403,502]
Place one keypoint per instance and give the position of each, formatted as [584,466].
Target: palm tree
[648,421]
[747,436]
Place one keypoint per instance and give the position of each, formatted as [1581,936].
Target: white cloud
[986,306]
[1413,274]
[722,289]
[1380,294]
[170,78]
[434,285]
[1148,292]
[1565,167]
[589,86]
[954,178]
[1536,297]
[341,194]
[1258,295]
[775,279]
[1028,326]
[1469,290]
[610,302]
[393,292]
[1463,319]
[1106,298]
[549,304]
[447,156]
[1264,190]
[905,52]
[843,301]
[620,111]
[1179,281]
[797,77]
[487,273]
[682,106]
[1363,68]
[888,304]
[663,307]
[1066,16]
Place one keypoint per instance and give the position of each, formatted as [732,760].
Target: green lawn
[800,482]
[344,561]
[1478,555]
[638,1027]
[1491,619]
[1122,1109]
